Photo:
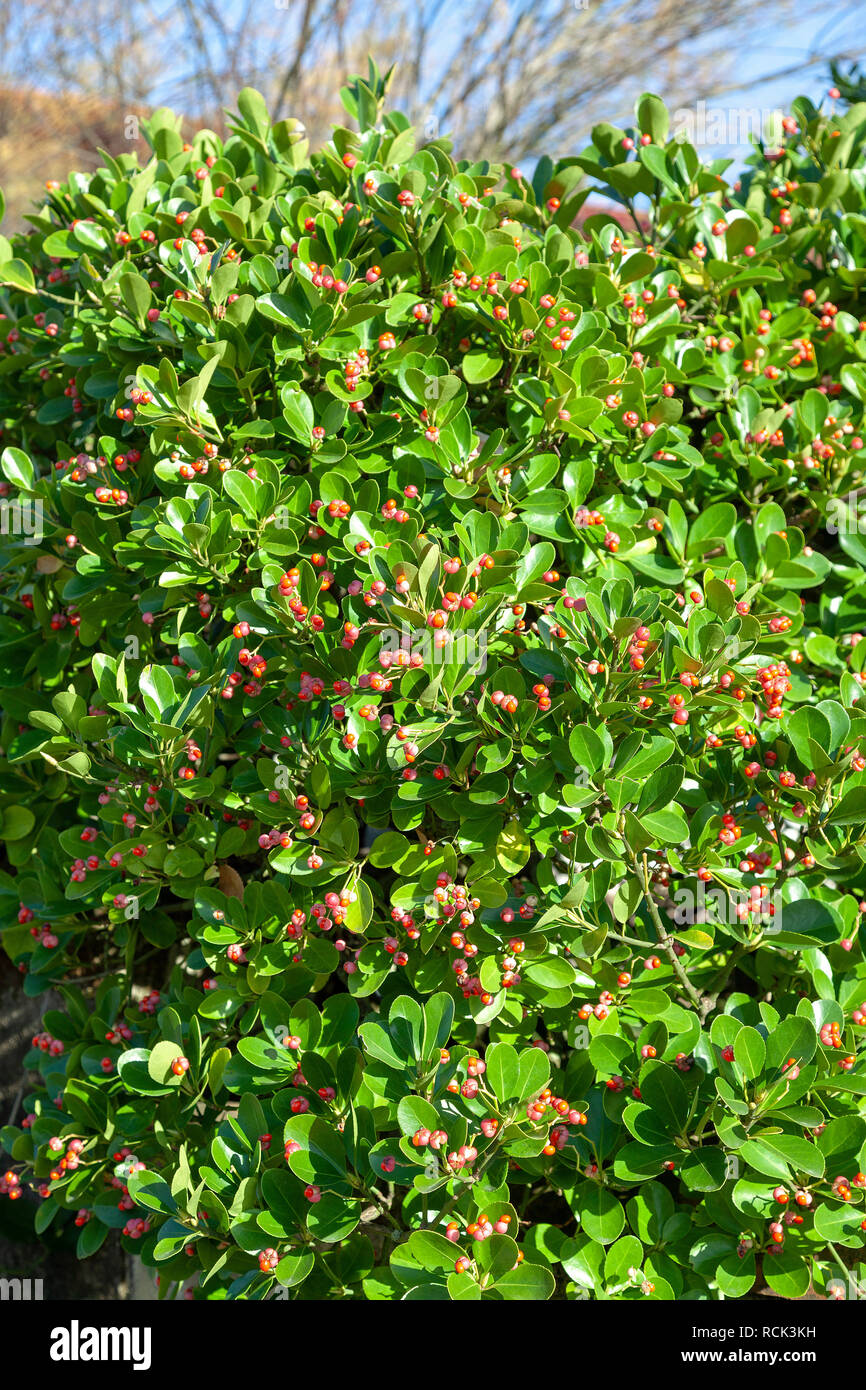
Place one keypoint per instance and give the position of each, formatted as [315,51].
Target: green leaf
[750,1053]
[503,1075]
[625,1254]
[253,108]
[157,691]
[793,1038]
[479,367]
[704,1169]
[735,1276]
[321,1158]
[778,1154]
[19,275]
[586,748]
[414,1113]
[17,821]
[294,1268]
[805,727]
[526,1283]
[513,846]
[136,294]
[533,1070]
[18,468]
[662,1088]
[712,527]
[600,1213]
[668,827]
[850,809]
[812,412]
[652,117]
[438,1022]
[160,1061]
[432,1251]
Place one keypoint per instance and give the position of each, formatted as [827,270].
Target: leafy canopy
[432,746]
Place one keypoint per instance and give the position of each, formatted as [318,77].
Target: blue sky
[839,28]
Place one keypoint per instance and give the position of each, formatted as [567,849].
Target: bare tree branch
[503,77]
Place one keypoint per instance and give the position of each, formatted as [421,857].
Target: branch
[665,940]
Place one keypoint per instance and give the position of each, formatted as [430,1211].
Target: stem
[717,985]
[483,1165]
[665,940]
[838,1258]
[783,865]
[377,1199]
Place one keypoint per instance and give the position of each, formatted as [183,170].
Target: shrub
[432,687]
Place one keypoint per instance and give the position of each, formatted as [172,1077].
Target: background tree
[506,78]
